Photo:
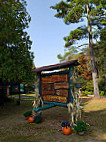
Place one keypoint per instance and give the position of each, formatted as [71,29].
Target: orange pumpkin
[30,119]
[67,130]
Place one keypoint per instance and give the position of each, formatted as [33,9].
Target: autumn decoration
[66,130]
[30,119]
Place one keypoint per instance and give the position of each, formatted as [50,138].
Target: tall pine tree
[16,59]
[74,11]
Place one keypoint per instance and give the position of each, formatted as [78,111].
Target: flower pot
[81,133]
[38,118]
[78,85]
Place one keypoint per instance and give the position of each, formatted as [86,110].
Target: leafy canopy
[16,59]
[75,11]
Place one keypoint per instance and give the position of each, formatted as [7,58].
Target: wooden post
[70,83]
[19,100]
[39,85]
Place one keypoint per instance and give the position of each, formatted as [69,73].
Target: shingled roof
[57,66]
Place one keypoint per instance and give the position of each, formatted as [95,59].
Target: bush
[102,84]
[28,113]
[89,86]
[80,126]
[102,93]
[87,93]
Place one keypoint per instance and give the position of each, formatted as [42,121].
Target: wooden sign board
[55,87]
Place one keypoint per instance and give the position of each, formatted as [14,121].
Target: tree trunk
[94,72]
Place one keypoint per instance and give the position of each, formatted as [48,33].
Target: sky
[46,32]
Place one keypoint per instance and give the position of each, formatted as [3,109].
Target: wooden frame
[44,80]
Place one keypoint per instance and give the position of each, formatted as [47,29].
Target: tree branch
[82,45]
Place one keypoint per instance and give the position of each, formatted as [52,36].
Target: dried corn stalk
[37,99]
[74,108]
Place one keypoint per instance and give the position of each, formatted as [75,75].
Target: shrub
[28,113]
[102,93]
[87,93]
[102,83]
[80,126]
[89,86]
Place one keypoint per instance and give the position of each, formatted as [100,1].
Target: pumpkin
[30,119]
[66,130]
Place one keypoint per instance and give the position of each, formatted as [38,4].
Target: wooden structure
[55,87]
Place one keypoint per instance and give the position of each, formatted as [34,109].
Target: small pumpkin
[30,119]
[67,130]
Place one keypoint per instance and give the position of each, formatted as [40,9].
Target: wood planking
[54,78]
[55,99]
[55,87]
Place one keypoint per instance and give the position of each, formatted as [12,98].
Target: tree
[83,69]
[100,56]
[99,52]
[16,59]
[71,54]
[75,11]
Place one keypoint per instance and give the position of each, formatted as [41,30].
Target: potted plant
[80,127]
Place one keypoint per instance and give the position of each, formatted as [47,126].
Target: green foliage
[16,60]
[77,34]
[28,113]
[103,35]
[89,86]
[61,8]
[102,93]
[74,15]
[75,11]
[70,53]
[81,126]
[102,83]
[85,93]
[99,51]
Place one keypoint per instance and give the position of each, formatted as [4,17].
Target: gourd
[67,130]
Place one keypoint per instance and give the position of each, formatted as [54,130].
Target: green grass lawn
[22,95]
[28,97]
[14,127]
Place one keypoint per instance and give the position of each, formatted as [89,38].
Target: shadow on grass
[14,126]
[96,119]
[16,139]
[85,100]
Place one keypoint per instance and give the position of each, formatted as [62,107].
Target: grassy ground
[14,127]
